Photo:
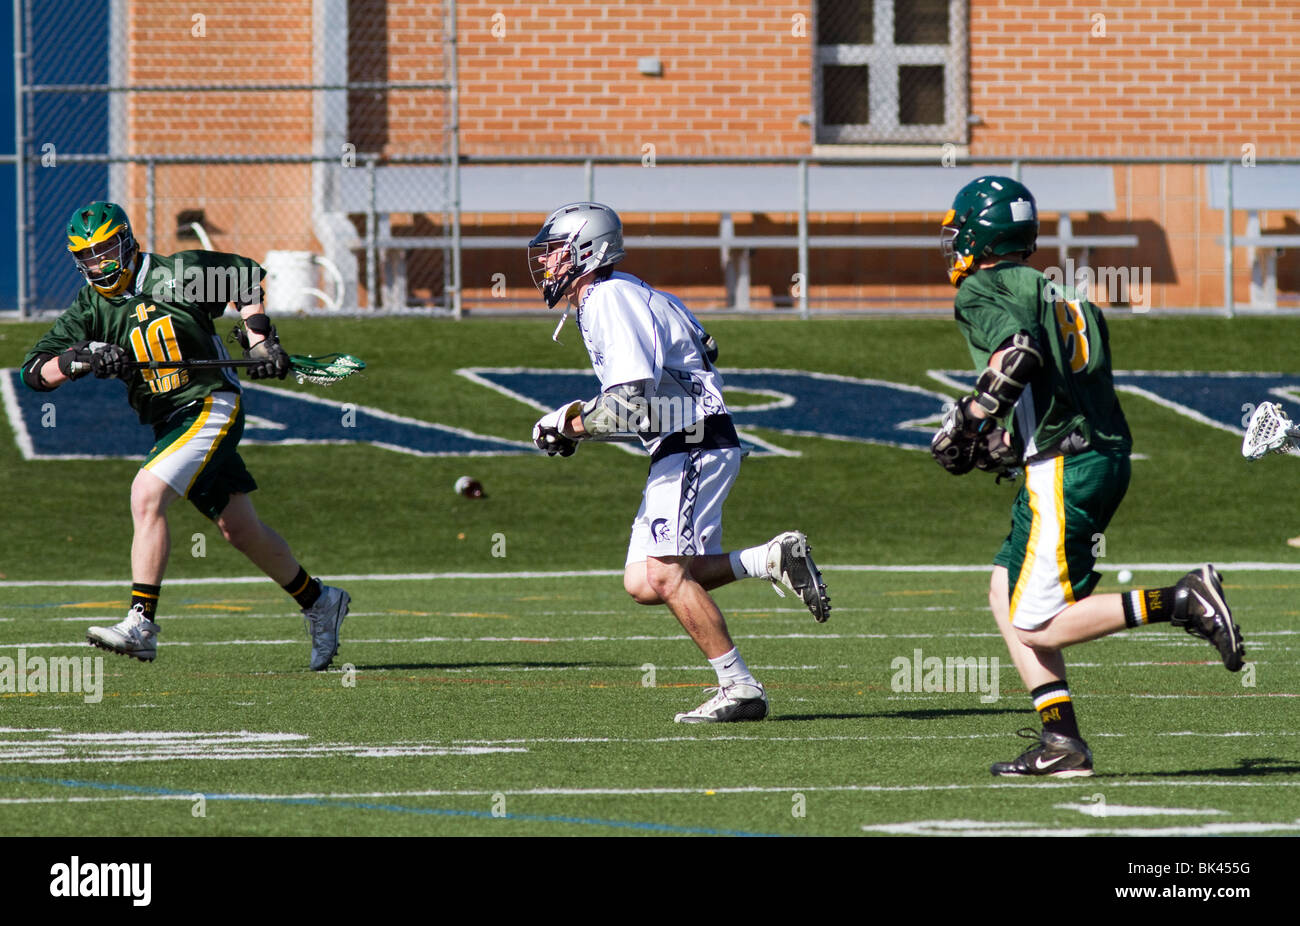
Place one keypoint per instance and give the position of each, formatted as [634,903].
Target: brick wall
[1153,77]
[249,208]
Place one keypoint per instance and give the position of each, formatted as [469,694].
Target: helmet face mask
[103,248]
[990,216]
[575,240]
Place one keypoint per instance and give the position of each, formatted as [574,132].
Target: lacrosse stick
[1270,431]
[323,371]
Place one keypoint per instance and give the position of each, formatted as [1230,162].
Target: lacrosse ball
[1125,576]
[470,487]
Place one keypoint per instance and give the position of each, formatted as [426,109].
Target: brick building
[1160,78]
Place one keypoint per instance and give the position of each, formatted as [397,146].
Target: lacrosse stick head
[1270,430]
[326,370]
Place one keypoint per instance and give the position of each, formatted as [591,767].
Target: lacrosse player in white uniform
[658,382]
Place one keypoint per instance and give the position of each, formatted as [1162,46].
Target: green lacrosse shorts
[1057,521]
[194,452]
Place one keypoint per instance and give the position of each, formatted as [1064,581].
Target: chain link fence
[262,130]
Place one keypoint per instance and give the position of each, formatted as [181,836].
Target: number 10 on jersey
[158,342]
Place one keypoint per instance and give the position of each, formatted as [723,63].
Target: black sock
[146,596]
[1055,709]
[304,589]
[1148,606]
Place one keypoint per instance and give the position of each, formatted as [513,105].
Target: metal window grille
[891,71]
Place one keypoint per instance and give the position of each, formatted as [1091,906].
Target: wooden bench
[712,190]
[1262,187]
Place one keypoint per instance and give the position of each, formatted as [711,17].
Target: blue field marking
[90,419]
[1222,400]
[800,403]
[643,826]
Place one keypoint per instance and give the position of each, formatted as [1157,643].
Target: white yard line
[1249,566]
[954,827]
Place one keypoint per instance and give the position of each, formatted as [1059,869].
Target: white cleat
[323,620]
[790,563]
[731,704]
[136,636]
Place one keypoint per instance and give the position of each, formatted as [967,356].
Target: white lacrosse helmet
[574,240]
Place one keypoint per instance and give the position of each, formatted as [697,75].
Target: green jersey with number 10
[1074,390]
[168,314]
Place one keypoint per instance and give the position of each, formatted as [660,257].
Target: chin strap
[555,335]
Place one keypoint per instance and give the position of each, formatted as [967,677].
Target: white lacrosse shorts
[681,508]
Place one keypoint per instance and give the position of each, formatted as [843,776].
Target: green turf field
[543,705]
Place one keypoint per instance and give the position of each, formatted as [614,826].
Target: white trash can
[293,282]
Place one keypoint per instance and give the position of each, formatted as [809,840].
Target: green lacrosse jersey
[1074,390]
[167,314]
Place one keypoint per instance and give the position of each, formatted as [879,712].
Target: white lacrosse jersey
[635,332]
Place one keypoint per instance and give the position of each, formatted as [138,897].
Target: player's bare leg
[1059,750]
[151,543]
[1094,617]
[137,635]
[246,532]
[670,579]
[739,695]
[709,572]
[323,606]
[1036,666]
[785,560]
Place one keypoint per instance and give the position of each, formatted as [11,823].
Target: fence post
[370,231]
[20,166]
[454,271]
[151,201]
[803,238]
[1228,267]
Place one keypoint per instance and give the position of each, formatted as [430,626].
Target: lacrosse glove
[271,359]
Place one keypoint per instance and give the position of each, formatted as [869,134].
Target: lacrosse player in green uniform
[138,306]
[1045,401]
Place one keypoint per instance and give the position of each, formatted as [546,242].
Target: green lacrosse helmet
[991,216]
[100,239]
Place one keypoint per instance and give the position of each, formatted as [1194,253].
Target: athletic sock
[146,597]
[304,589]
[750,563]
[1055,709]
[1148,606]
[732,670]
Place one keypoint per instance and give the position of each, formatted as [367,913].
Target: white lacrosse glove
[548,433]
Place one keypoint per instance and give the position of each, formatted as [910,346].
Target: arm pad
[32,374]
[620,409]
[996,391]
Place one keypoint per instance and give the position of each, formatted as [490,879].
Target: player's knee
[638,586]
[239,533]
[1042,640]
[664,579]
[149,499]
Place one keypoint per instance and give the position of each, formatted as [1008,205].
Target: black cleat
[1055,756]
[1200,609]
[790,564]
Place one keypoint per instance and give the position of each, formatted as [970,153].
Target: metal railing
[369,163]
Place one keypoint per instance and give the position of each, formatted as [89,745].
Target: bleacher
[532,191]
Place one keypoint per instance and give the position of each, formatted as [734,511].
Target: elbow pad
[996,391]
[622,409]
[32,374]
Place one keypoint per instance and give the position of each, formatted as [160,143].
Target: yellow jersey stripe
[185,438]
[1031,552]
[225,428]
[1062,565]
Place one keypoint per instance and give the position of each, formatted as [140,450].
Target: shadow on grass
[1246,768]
[929,714]
[508,664]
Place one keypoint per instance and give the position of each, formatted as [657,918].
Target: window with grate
[891,71]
